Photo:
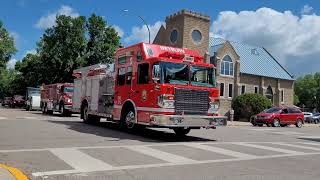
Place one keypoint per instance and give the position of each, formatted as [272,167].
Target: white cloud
[32,51]
[306,9]
[139,34]
[293,40]
[118,30]
[50,20]
[11,63]
[16,37]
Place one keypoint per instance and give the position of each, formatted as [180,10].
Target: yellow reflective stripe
[15,172]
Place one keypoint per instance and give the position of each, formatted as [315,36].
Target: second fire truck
[150,85]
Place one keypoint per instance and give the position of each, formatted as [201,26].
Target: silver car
[308,117]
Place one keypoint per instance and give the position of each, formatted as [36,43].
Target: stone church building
[240,68]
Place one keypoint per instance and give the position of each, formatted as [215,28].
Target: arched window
[269,93]
[226,66]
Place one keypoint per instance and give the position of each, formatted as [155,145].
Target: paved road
[54,147]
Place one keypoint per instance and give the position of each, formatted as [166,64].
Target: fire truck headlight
[69,100]
[166,101]
[214,105]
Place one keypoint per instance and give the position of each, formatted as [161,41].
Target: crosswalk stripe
[168,157]
[299,146]
[221,151]
[269,148]
[1,118]
[79,160]
[308,143]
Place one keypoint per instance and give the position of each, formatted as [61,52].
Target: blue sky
[235,20]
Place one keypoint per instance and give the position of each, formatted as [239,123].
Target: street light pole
[144,22]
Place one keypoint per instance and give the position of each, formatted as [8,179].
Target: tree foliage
[71,43]
[307,89]
[103,41]
[249,104]
[7,47]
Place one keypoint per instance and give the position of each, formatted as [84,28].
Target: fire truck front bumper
[68,107]
[190,121]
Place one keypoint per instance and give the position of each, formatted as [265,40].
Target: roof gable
[253,60]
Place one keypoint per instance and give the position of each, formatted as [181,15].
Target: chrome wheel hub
[130,119]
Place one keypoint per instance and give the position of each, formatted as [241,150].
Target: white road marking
[80,161]
[2,118]
[171,164]
[263,129]
[308,143]
[270,148]
[288,133]
[119,146]
[299,146]
[221,151]
[30,117]
[161,155]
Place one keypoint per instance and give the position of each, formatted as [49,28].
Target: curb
[16,173]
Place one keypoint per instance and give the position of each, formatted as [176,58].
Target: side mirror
[155,80]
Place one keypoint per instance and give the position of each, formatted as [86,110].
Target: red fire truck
[150,85]
[57,97]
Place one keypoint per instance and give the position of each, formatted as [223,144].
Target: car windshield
[174,73]
[68,89]
[317,114]
[272,110]
[201,76]
[18,97]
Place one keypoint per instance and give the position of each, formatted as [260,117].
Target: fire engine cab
[150,85]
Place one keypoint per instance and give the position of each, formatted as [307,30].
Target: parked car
[17,101]
[316,118]
[308,117]
[280,116]
[6,101]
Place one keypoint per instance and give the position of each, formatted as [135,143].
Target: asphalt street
[55,147]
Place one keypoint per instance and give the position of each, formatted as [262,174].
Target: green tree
[103,41]
[7,47]
[61,48]
[31,70]
[306,88]
[249,104]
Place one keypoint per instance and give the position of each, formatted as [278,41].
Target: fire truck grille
[190,101]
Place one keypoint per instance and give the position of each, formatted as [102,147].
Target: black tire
[64,112]
[128,119]
[181,131]
[316,121]
[44,109]
[28,108]
[283,125]
[50,112]
[299,123]
[260,125]
[87,118]
[276,123]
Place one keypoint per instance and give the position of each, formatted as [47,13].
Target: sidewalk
[241,123]
[10,173]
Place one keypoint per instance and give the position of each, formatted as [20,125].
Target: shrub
[249,104]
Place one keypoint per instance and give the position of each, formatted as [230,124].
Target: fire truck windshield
[174,73]
[178,73]
[68,89]
[201,76]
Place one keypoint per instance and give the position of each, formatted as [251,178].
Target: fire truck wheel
[44,109]
[181,131]
[64,112]
[128,119]
[89,119]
